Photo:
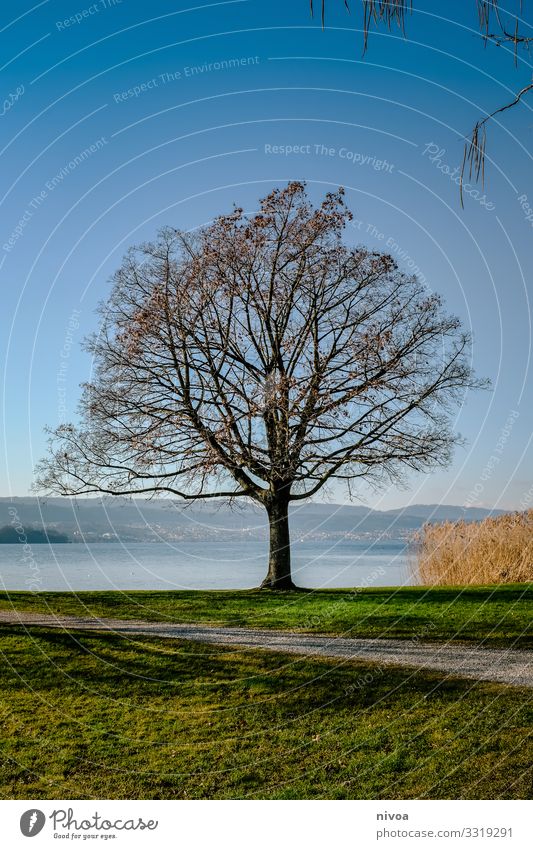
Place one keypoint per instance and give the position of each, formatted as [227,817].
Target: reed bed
[495,551]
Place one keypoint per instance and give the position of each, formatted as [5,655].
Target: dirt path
[505,666]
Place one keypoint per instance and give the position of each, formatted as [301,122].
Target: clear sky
[120,117]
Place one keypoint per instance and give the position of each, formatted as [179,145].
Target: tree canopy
[263,357]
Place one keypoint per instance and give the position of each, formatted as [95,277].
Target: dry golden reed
[495,551]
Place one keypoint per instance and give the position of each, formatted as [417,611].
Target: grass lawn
[111,717]
[499,615]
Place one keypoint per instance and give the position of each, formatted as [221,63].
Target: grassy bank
[109,717]
[488,615]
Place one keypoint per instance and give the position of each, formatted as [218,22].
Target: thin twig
[475,147]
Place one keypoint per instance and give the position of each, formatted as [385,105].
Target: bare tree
[496,27]
[262,358]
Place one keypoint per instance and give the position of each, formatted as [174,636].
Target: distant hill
[10,535]
[143,520]
[445,512]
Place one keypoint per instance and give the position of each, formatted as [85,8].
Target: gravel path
[505,666]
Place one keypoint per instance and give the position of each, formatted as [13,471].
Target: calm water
[198,565]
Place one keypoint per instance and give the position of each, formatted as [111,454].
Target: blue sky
[120,117]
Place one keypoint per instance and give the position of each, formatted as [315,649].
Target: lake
[198,565]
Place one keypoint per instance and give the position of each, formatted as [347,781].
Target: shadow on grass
[107,716]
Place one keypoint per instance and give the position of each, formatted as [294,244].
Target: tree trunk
[279,557]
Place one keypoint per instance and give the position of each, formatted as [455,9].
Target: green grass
[104,716]
[486,615]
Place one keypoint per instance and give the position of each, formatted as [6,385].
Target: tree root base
[281,585]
